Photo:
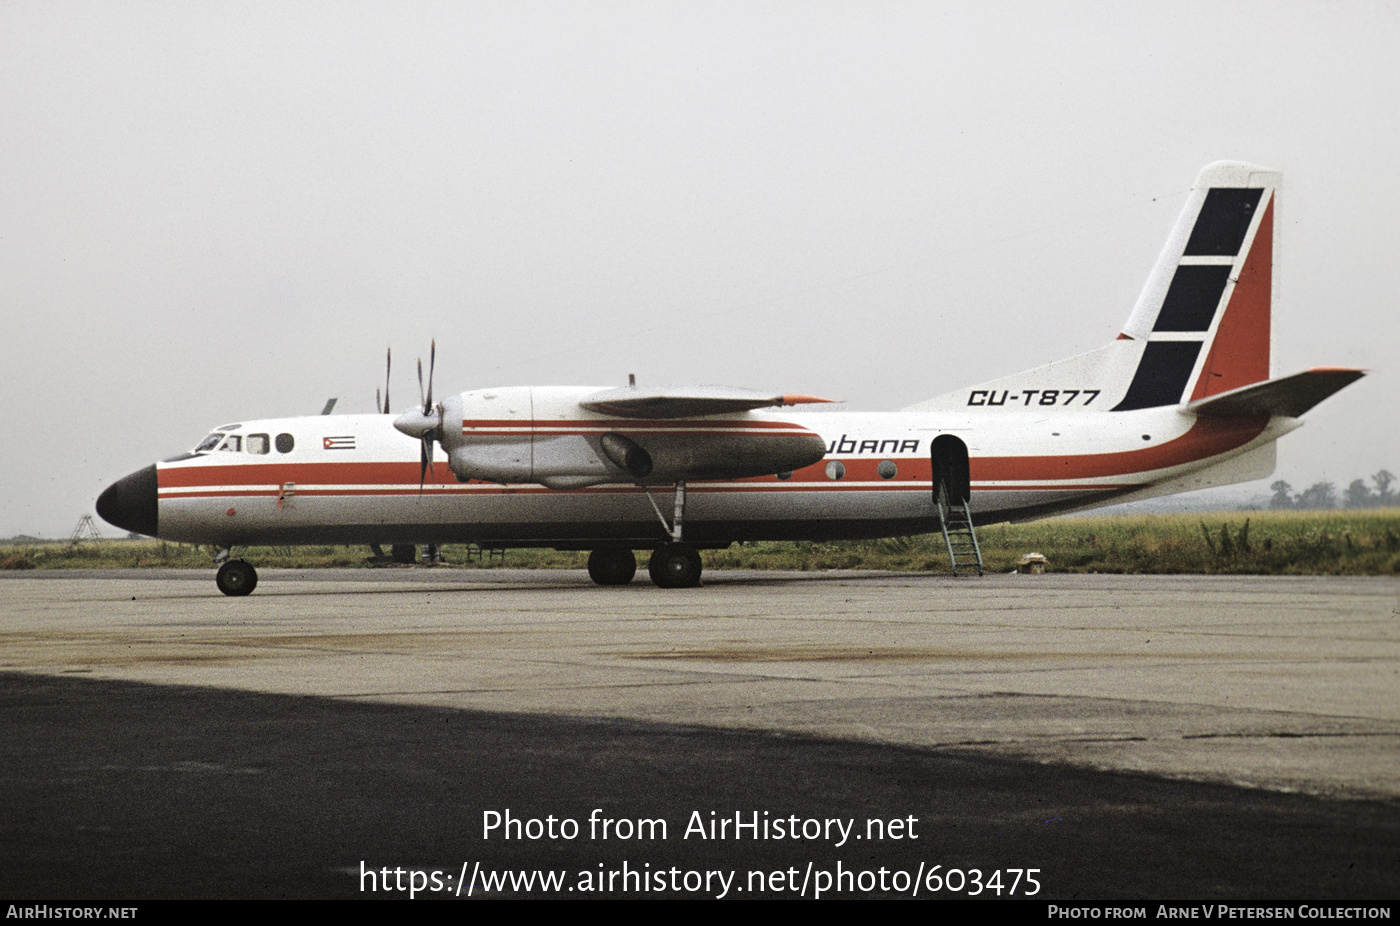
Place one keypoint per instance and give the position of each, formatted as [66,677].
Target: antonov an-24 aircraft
[1183,399]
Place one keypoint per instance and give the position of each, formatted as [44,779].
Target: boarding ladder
[958,534]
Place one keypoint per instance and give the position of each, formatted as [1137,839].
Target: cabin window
[232,444]
[835,469]
[285,443]
[887,469]
[258,443]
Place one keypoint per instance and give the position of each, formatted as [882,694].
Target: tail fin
[1205,312]
[1201,327]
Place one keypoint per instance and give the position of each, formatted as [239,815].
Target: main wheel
[236,578]
[675,565]
[405,554]
[612,566]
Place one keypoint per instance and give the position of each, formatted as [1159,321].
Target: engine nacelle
[493,436]
[717,455]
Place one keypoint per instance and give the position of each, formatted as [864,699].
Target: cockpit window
[209,443]
[233,443]
[258,443]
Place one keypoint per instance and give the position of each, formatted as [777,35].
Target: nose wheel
[237,578]
[676,565]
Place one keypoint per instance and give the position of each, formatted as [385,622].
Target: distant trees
[1383,479]
[1357,495]
[1324,494]
[1318,495]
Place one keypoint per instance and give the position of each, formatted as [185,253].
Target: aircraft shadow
[131,790]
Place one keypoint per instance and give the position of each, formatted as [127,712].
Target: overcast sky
[218,211]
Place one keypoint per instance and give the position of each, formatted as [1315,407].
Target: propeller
[425,423]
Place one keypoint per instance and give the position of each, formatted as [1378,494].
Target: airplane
[1183,399]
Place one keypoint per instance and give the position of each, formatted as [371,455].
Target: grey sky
[215,211]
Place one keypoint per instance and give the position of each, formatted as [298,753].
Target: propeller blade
[388,365]
[422,464]
[429,435]
[425,457]
[432,362]
[378,405]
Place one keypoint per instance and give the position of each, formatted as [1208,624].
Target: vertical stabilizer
[1201,326]
[1205,313]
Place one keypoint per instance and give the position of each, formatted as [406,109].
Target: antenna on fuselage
[330,404]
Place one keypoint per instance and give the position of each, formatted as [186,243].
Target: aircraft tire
[676,565]
[612,566]
[405,554]
[237,578]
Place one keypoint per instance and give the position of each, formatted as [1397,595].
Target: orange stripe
[606,423]
[1208,437]
[595,432]
[315,473]
[458,491]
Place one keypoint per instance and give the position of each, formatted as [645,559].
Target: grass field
[1362,542]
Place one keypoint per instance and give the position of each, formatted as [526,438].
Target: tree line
[1324,494]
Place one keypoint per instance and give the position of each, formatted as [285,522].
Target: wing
[719,441]
[568,437]
[686,401]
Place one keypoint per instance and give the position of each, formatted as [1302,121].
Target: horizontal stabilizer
[685,401]
[1288,397]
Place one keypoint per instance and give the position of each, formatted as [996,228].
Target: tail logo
[1218,300]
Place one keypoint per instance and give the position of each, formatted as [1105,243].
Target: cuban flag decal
[346,442]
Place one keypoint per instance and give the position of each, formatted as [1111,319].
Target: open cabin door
[952,489]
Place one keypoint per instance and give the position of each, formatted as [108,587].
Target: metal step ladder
[958,533]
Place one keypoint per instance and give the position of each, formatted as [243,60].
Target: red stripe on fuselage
[350,471]
[592,428]
[718,424]
[1208,437]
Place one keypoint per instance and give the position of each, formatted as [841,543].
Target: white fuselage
[355,479]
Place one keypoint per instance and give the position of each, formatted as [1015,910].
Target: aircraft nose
[131,502]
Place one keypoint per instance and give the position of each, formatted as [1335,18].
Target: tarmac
[1119,736]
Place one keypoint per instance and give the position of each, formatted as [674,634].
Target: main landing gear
[236,578]
[612,566]
[675,565]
